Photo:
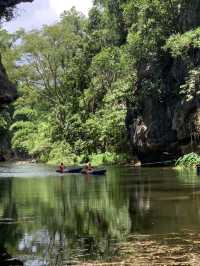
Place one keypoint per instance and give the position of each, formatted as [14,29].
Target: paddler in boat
[61,167]
[88,168]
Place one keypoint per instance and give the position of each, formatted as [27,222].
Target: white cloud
[61,5]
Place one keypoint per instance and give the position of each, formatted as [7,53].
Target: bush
[188,160]
[61,152]
[103,158]
[108,158]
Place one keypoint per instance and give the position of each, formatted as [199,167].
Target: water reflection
[57,220]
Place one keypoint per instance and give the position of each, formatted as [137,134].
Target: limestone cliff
[169,132]
[8,91]
[164,126]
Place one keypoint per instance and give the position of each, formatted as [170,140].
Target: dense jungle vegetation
[78,78]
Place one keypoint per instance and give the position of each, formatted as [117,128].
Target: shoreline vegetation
[190,160]
[95,159]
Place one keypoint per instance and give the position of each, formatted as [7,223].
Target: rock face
[152,134]
[163,127]
[165,132]
[8,91]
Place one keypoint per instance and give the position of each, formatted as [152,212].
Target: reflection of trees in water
[186,175]
[140,205]
[166,204]
[77,218]
[88,224]
[10,230]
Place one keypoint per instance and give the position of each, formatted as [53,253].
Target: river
[52,219]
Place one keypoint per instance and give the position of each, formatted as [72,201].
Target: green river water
[52,219]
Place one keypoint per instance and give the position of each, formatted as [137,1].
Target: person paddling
[61,168]
[88,167]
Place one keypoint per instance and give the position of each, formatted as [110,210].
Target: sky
[39,12]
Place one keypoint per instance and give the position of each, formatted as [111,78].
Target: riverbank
[106,158]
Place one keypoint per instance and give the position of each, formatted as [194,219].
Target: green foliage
[60,152]
[185,46]
[24,132]
[188,160]
[70,106]
[78,77]
[108,158]
[180,44]
[5,122]
[191,88]
[103,158]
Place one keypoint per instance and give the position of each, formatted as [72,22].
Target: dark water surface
[50,219]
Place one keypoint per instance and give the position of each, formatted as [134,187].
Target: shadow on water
[63,220]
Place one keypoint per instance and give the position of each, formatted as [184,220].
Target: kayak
[94,172]
[70,170]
